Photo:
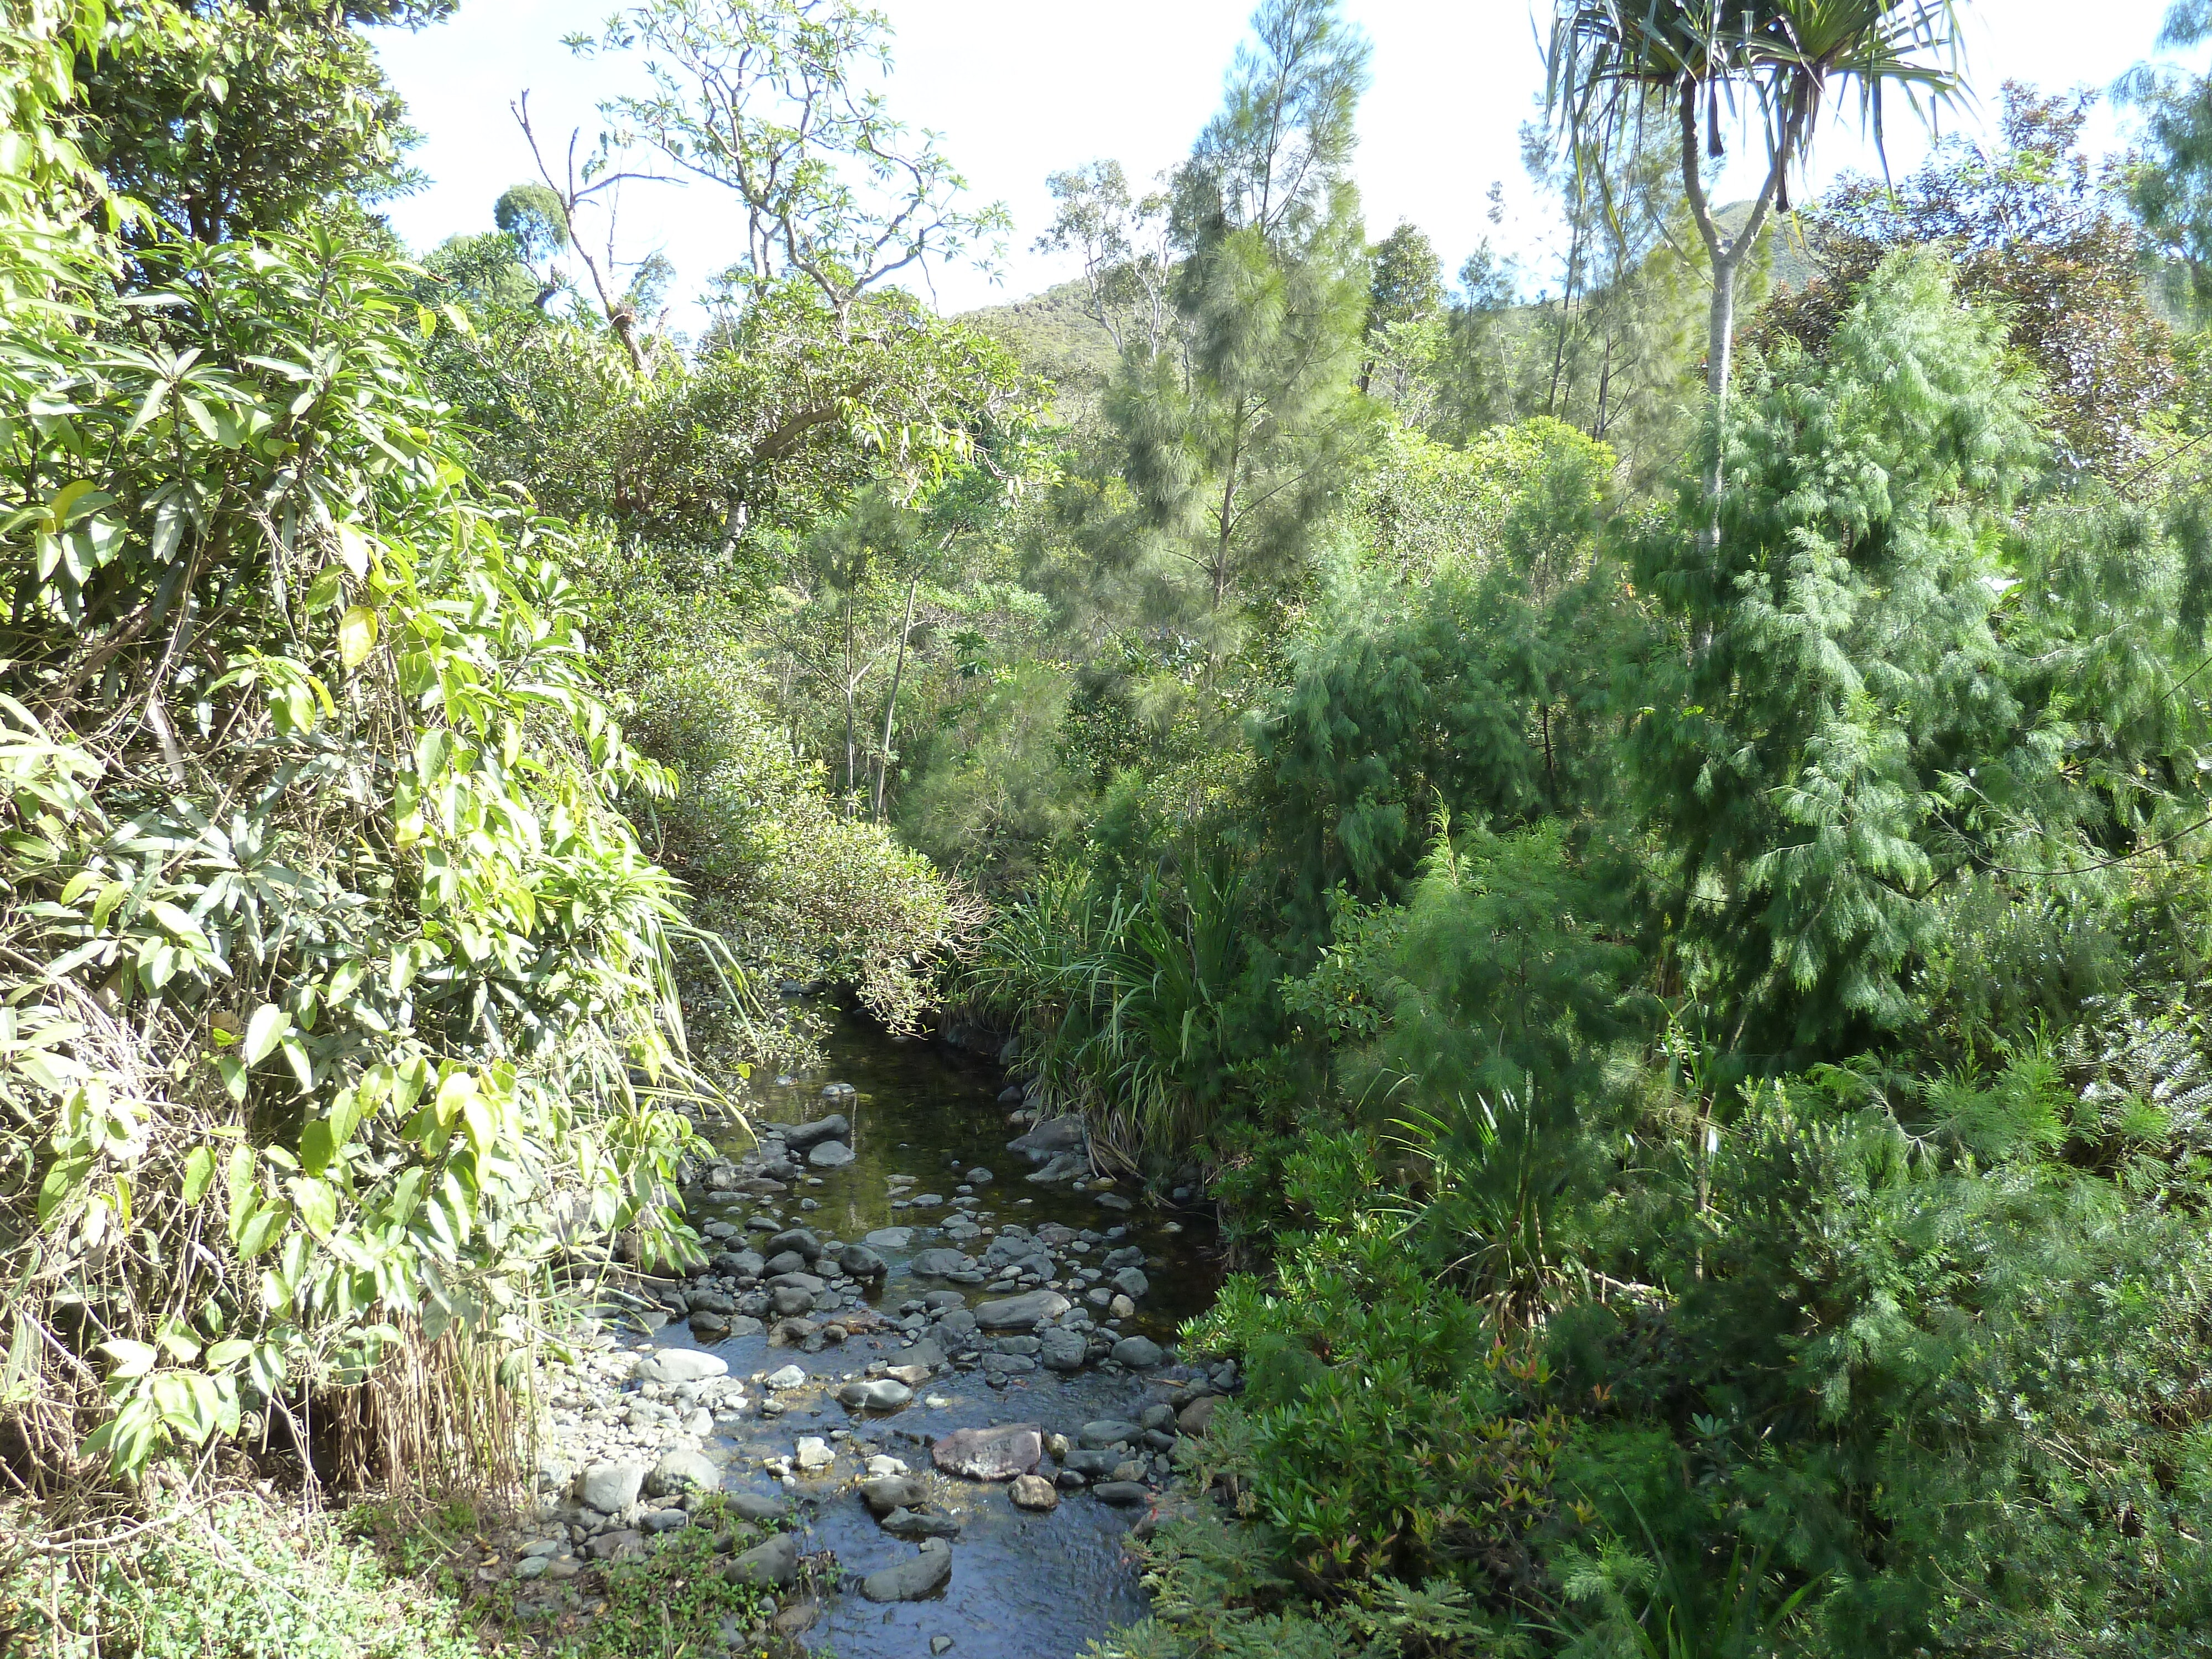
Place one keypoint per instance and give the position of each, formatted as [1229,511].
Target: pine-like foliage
[1872,685]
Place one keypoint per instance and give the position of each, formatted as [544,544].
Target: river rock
[1122,1494]
[1062,1350]
[814,1452]
[1021,1313]
[993,1453]
[681,1365]
[1197,1417]
[940,1263]
[683,1470]
[890,1238]
[1137,1352]
[890,1491]
[1033,1492]
[789,1378]
[798,1240]
[757,1507]
[772,1565]
[1093,1465]
[611,1487]
[1066,1167]
[861,1263]
[624,1545]
[883,1395]
[831,1155]
[1132,1282]
[788,1299]
[913,1578]
[1053,1135]
[1106,1431]
[909,1523]
[805,1137]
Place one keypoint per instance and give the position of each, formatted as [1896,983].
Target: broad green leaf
[264,1031]
[316,1204]
[318,1143]
[132,1358]
[356,635]
[259,1233]
[199,1173]
[323,592]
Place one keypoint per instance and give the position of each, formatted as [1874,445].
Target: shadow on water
[1023,1586]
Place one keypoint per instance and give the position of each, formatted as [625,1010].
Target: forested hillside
[1621,846]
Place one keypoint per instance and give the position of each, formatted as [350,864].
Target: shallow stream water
[1023,1586]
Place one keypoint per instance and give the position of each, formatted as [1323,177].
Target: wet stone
[914,1578]
[993,1454]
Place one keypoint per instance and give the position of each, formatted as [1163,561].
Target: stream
[922,1117]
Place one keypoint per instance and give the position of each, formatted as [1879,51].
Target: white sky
[1020,89]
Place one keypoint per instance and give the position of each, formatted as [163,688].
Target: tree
[226,119]
[2171,186]
[761,97]
[2038,235]
[1405,299]
[1128,263]
[1611,64]
[1234,442]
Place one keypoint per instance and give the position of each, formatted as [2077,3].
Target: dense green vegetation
[1641,827]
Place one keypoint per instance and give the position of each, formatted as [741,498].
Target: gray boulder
[1053,1135]
[798,1239]
[772,1565]
[1137,1352]
[883,1393]
[1065,1167]
[1062,1350]
[681,1365]
[861,1263]
[993,1453]
[610,1488]
[912,1523]
[891,1238]
[757,1506]
[940,1263]
[805,1137]
[1106,1431]
[913,1578]
[891,1491]
[1132,1283]
[683,1470]
[1122,1494]
[1021,1313]
[831,1155]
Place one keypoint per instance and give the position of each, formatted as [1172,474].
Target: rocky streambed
[929,1370]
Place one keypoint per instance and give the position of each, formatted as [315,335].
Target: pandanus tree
[1776,66]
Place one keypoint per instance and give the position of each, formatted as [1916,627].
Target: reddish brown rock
[995,1454]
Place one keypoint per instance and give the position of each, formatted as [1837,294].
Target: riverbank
[919,1395]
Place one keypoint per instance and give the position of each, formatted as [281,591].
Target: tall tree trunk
[1726,254]
[891,702]
[851,689]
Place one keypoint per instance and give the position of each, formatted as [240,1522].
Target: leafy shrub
[239,1581]
[338,989]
